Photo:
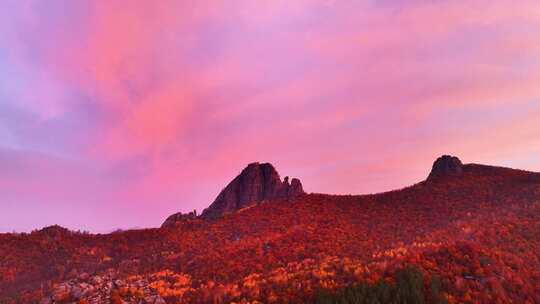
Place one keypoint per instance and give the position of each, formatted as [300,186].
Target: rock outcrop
[256,183]
[179,217]
[446,165]
[106,287]
[54,232]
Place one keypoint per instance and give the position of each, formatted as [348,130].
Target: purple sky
[115,114]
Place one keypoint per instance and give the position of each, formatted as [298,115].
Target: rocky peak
[256,183]
[446,165]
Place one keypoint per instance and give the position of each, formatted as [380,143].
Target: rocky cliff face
[446,165]
[256,183]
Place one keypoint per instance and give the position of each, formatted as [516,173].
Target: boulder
[446,165]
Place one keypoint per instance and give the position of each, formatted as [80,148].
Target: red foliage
[480,233]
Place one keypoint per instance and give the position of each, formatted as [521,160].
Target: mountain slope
[477,232]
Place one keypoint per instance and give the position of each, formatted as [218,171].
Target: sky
[116,114]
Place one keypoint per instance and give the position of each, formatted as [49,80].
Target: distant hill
[469,232]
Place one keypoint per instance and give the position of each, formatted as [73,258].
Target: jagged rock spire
[257,182]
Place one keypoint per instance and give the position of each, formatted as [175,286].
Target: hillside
[472,231]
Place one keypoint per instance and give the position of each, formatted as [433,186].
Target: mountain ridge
[445,161]
[477,233]
[255,191]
